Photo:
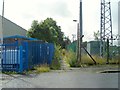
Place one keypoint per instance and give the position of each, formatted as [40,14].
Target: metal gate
[20,56]
[11,57]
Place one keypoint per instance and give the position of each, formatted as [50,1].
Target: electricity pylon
[106,26]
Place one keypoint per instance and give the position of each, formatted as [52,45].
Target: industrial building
[93,47]
[9,28]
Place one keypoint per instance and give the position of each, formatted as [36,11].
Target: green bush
[70,58]
[55,65]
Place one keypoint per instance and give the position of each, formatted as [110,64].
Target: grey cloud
[114,8]
[115,12]
[61,9]
[58,8]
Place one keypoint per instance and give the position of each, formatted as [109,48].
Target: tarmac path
[75,78]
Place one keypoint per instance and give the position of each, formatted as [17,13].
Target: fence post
[26,44]
[21,59]
[53,50]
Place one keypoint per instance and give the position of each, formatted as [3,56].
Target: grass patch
[88,61]
[71,59]
[41,68]
[100,61]
[9,72]
[114,61]
[37,69]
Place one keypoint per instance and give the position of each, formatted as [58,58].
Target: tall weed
[70,58]
[57,57]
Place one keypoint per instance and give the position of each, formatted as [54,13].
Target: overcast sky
[23,12]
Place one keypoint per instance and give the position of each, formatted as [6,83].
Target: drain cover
[110,71]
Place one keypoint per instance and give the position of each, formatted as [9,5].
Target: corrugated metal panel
[72,46]
[93,47]
[88,47]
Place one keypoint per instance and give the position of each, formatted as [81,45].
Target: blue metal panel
[25,55]
[21,60]
[10,60]
[51,53]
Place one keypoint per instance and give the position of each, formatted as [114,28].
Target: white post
[1,35]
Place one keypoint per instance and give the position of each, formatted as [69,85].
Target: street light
[78,42]
[80,34]
[75,20]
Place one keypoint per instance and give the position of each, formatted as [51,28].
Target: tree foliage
[97,35]
[48,31]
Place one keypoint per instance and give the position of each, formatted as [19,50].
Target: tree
[48,31]
[97,35]
[66,42]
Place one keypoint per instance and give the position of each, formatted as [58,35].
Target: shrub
[57,57]
[70,58]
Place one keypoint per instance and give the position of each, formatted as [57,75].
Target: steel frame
[106,26]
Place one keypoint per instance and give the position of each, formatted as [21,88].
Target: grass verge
[42,68]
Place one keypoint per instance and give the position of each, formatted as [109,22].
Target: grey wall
[93,47]
[10,28]
[88,47]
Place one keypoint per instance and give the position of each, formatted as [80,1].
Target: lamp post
[77,44]
[80,33]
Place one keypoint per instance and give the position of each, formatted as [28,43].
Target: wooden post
[107,51]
